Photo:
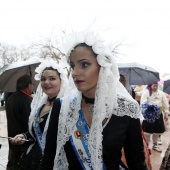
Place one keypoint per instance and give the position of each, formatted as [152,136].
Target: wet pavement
[3,142]
[156,157]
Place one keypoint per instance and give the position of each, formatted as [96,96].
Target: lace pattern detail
[127,107]
[67,120]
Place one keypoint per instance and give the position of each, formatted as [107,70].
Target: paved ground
[3,142]
[156,157]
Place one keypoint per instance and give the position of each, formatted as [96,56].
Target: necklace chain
[91,109]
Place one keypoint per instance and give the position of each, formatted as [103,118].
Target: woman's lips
[79,81]
[47,88]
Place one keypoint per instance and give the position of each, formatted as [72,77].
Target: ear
[30,87]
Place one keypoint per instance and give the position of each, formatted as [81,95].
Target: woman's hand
[166,118]
[18,139]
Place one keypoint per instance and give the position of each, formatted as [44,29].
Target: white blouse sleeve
[144,97]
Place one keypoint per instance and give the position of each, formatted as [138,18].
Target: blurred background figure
[138,92]
[122,80]
[18,111]
[155,109]
[2,99]
[126,84]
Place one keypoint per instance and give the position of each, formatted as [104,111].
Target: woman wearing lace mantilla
[98,117]
[43,120]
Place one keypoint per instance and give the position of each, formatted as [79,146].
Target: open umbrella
[166,86]
[15,70]
[138,74]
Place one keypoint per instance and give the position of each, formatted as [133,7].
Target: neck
[88,100]
[51,100]
[25,92]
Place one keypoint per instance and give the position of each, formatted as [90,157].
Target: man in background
[18,111]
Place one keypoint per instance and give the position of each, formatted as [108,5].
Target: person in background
[0,96]
[122,79]
[154,104]
[126,84]
[18,109]
[7,95]
[2,99]
[43,120]
[98,116]
[138,92]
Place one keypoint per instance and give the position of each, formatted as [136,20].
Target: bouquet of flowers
[150,112]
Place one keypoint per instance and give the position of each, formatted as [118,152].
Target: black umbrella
[166,87]
[13,71]
[138,74]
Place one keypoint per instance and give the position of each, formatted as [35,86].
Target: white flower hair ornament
[89,38]
[60,66]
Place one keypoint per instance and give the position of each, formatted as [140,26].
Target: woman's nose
[46,81]
[75,71]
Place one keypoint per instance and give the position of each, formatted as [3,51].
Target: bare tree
[8,53]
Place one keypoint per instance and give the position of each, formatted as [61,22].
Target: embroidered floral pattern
[150,112]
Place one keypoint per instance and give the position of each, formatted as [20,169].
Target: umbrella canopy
[138,74]
[15,70]
[166,87]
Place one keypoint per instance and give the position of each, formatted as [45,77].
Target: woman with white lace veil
[43,120]
[98,117]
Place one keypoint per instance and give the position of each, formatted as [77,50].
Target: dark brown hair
[23,82]
[87,46]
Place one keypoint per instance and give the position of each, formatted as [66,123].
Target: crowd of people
[83,118]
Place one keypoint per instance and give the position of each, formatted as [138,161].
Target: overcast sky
[142,25]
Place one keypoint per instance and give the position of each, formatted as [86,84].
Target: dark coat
[18,108]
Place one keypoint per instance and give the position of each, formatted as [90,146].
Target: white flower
[104,60]
[89,39]
[61,66]
[98,47]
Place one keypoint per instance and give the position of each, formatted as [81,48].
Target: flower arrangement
[59,65]
[87,37]
[150,112]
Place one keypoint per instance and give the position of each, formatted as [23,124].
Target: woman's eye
[84,64]
[49,79]
[42,79]
[52,78]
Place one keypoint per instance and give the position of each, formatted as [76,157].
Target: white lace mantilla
[125,107]
[40,97]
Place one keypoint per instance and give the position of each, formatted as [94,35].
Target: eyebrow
[79,61]
[49,76]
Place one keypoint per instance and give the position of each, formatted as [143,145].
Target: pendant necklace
[90,101]
[91,109]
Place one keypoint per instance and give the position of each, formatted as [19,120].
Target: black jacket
[119,132]
[18,110]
